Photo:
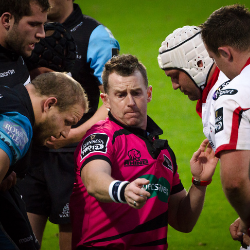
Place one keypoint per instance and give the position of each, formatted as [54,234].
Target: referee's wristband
[116,191]
[200,183]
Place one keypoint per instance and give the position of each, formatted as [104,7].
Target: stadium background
[140,27]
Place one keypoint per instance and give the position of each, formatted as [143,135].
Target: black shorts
[47,187]
[14,221]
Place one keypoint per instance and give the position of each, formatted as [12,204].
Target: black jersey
[13,70]
[95,45]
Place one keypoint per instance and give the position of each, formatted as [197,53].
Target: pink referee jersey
[132,153]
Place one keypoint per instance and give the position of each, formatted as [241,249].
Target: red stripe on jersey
[207,89]
[247,63]
[237,115]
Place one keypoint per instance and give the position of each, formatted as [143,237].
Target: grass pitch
[140,27]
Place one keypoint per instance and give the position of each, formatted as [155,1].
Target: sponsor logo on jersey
[135,159]
[218,94]
[220,91]
[94,143]
[157,187]
[25,240]
[212,144]
[7,73]
[109,32]
[16,133]
[65,213]
[219,120]
[167,163]
[76,27]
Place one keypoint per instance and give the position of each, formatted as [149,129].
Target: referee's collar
[152,128]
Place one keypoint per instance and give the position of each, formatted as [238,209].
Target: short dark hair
[67,90]
[229,25]
[20,8]
[124,65]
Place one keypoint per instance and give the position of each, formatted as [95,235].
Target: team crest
[135,159]
[219,120]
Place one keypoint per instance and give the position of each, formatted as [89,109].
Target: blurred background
[140,27]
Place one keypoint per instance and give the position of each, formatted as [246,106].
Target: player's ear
[48,103]
[6,20]
[105,100]
[149,93]
[226,53]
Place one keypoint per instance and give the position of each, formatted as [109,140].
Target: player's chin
[192,98]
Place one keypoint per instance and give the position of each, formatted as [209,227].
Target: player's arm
[96,176]
[185,208]
[4,164]
[235,169]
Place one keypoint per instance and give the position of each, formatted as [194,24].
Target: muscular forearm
[239,198]
[190,208]
[235,181]
[97,184]
[189,205]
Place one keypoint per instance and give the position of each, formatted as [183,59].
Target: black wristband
[122,195]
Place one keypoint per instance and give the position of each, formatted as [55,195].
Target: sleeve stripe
[237,115]
[177,188]
[95,157]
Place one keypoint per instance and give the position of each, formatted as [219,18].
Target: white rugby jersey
[203,107]
[229,116]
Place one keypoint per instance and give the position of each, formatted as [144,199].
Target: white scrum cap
[184,49]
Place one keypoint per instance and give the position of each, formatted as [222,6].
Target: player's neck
[65,14]
[211,72]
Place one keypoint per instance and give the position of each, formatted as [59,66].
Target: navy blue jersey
[13,70]
[95,45]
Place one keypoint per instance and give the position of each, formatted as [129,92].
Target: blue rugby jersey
[16,121]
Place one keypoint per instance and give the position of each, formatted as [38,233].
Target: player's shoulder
[8,96]
[104,127]
[90,20]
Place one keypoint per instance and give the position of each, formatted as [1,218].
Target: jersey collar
[206,90]
[152,130]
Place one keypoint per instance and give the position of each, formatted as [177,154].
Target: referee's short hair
[124,65]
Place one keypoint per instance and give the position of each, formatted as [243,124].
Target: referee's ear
[149,93]
[105,100]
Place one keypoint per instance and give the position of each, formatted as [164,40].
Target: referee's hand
[135,195]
